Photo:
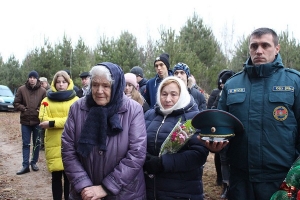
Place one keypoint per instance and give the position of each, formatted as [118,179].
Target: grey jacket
[119,169]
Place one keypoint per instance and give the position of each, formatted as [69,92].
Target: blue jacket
[266,99]
[182,175]
[151,89]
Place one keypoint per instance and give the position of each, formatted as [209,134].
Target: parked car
[6,98]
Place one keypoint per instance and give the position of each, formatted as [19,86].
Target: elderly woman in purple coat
[104,140]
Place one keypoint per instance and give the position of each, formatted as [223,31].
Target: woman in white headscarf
[177,175]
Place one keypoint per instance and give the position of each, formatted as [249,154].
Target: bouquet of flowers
[290,187]
[177,138]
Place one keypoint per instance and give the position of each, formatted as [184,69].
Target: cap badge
[213,129]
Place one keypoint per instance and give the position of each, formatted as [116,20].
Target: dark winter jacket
[199,98]
[142,86]
[266,99]
[151,89]
[79,93]
[212,98]
[119,168]
[28,101]
[182,175]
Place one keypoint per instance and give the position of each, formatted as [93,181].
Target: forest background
[195,45]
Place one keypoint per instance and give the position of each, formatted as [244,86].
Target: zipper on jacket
[163,121]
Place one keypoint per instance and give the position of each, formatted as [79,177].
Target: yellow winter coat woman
[53,117]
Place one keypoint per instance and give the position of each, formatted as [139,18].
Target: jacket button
[100,152]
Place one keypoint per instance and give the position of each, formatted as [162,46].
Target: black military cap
[84,74]
[217,125]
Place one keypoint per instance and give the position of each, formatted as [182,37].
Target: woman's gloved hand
[153,164]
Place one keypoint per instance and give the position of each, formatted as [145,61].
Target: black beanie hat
[164,58]
[219,82]
[226,76]
[34,74]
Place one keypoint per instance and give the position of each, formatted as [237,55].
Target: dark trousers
[42,137]
[242,188]
[217,161]
[26,140]
[57,188]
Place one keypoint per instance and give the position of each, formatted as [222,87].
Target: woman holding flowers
[176,175]
[53,118]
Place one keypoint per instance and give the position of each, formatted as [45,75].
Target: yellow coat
[55,111]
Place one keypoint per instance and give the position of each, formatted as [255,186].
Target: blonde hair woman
[132,90]
[53,118]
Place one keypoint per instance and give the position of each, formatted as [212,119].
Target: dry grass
[212,192]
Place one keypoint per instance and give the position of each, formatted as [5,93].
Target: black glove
[153,164]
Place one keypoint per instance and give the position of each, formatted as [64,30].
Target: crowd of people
[104,140]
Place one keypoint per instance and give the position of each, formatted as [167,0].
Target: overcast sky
[25,23]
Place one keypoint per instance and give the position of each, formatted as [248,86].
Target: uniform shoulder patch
[292,71]
[238,73]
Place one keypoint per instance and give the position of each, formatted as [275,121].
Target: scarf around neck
[102,121]
[61,95]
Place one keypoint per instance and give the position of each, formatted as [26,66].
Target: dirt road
[30,186]
[37,185]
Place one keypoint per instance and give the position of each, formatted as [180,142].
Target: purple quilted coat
[120,168]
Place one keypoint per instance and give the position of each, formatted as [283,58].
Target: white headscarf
[184,97]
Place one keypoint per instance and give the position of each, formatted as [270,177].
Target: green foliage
[200,50]
[289,51]
[9,73]
[240,55]
[195,45]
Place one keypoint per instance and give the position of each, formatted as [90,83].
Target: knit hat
[138,71]
[225,77]
[182,66]
[131,78]
[164,58]
[33,74]
[43,79]
[226,71]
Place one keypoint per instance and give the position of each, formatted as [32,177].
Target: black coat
[142,86]
[212,98]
